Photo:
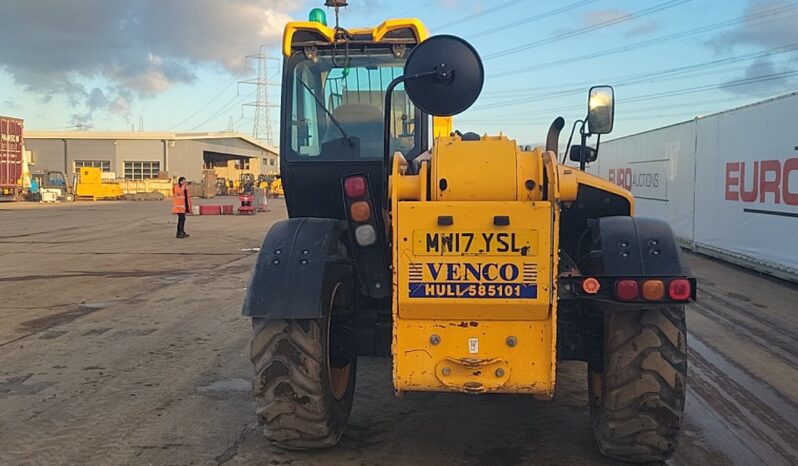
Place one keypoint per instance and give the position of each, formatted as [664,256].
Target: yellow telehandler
[474,264]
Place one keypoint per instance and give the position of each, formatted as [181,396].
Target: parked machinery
[276,187]
[90,184]
[52,180]
[475,265]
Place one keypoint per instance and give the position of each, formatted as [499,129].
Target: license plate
[456,243]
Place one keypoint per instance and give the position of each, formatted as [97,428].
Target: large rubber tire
[304,380]
[637,402]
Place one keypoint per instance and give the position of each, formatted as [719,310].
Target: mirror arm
[582,154]
[598,143]
[386,134]
[570,138]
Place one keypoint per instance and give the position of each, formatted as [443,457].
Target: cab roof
[299,34]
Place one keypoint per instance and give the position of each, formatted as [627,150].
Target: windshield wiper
[321,104]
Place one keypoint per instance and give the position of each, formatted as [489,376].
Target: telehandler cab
[474,264]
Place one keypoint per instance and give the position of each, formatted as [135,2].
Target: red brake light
[355,186]
[627,290]
[679,289]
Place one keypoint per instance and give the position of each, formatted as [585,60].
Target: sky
[181,65]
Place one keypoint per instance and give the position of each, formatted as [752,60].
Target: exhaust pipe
[553,137]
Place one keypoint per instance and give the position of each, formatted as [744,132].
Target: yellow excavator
[476,265]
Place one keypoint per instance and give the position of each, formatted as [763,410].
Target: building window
[141,170]
[104,165]
[245,162]
[271,162]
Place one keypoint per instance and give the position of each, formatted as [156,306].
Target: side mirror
[575,155]
[444,75]
[600,110]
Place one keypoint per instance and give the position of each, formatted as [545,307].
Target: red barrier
[210,210]
[246,205]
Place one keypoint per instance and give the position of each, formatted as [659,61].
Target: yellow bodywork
[474,297]
[164,187]
[442,126]
[475,239]
[475,252]
[91,185]
[319,32]
[276,188]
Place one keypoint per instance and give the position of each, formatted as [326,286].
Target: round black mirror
[457,79]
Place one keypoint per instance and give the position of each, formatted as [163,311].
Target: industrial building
[142,155]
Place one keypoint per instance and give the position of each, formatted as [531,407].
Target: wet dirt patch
[169,279]
[236,269]
[97,274]
[52,334]
[135,332]
[227,386]
[739,296]
[95,331]
[17,386]
[59,318]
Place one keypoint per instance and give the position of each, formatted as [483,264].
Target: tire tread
[294,403]
[639,416]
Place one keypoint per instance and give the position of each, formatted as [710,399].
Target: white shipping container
[656,166]
[727,183]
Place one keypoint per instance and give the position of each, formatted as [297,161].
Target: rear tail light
[627,290]
[679,289]
[365,235]
[591,285]
[653,290]
[359,205]
[360,211]
[355,186]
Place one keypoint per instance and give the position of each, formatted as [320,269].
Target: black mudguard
[634,246]
[296,260]
[619,247]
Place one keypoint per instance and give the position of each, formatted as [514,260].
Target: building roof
[147,135]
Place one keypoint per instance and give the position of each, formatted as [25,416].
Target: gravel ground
[120,344]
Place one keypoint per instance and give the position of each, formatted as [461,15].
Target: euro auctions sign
[646,179]
[763,182]
[726,183]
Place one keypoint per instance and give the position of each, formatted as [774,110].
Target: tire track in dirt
[118,410]
[758,423]
[753,325]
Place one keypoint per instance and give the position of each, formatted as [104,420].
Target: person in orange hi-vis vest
[181,205]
